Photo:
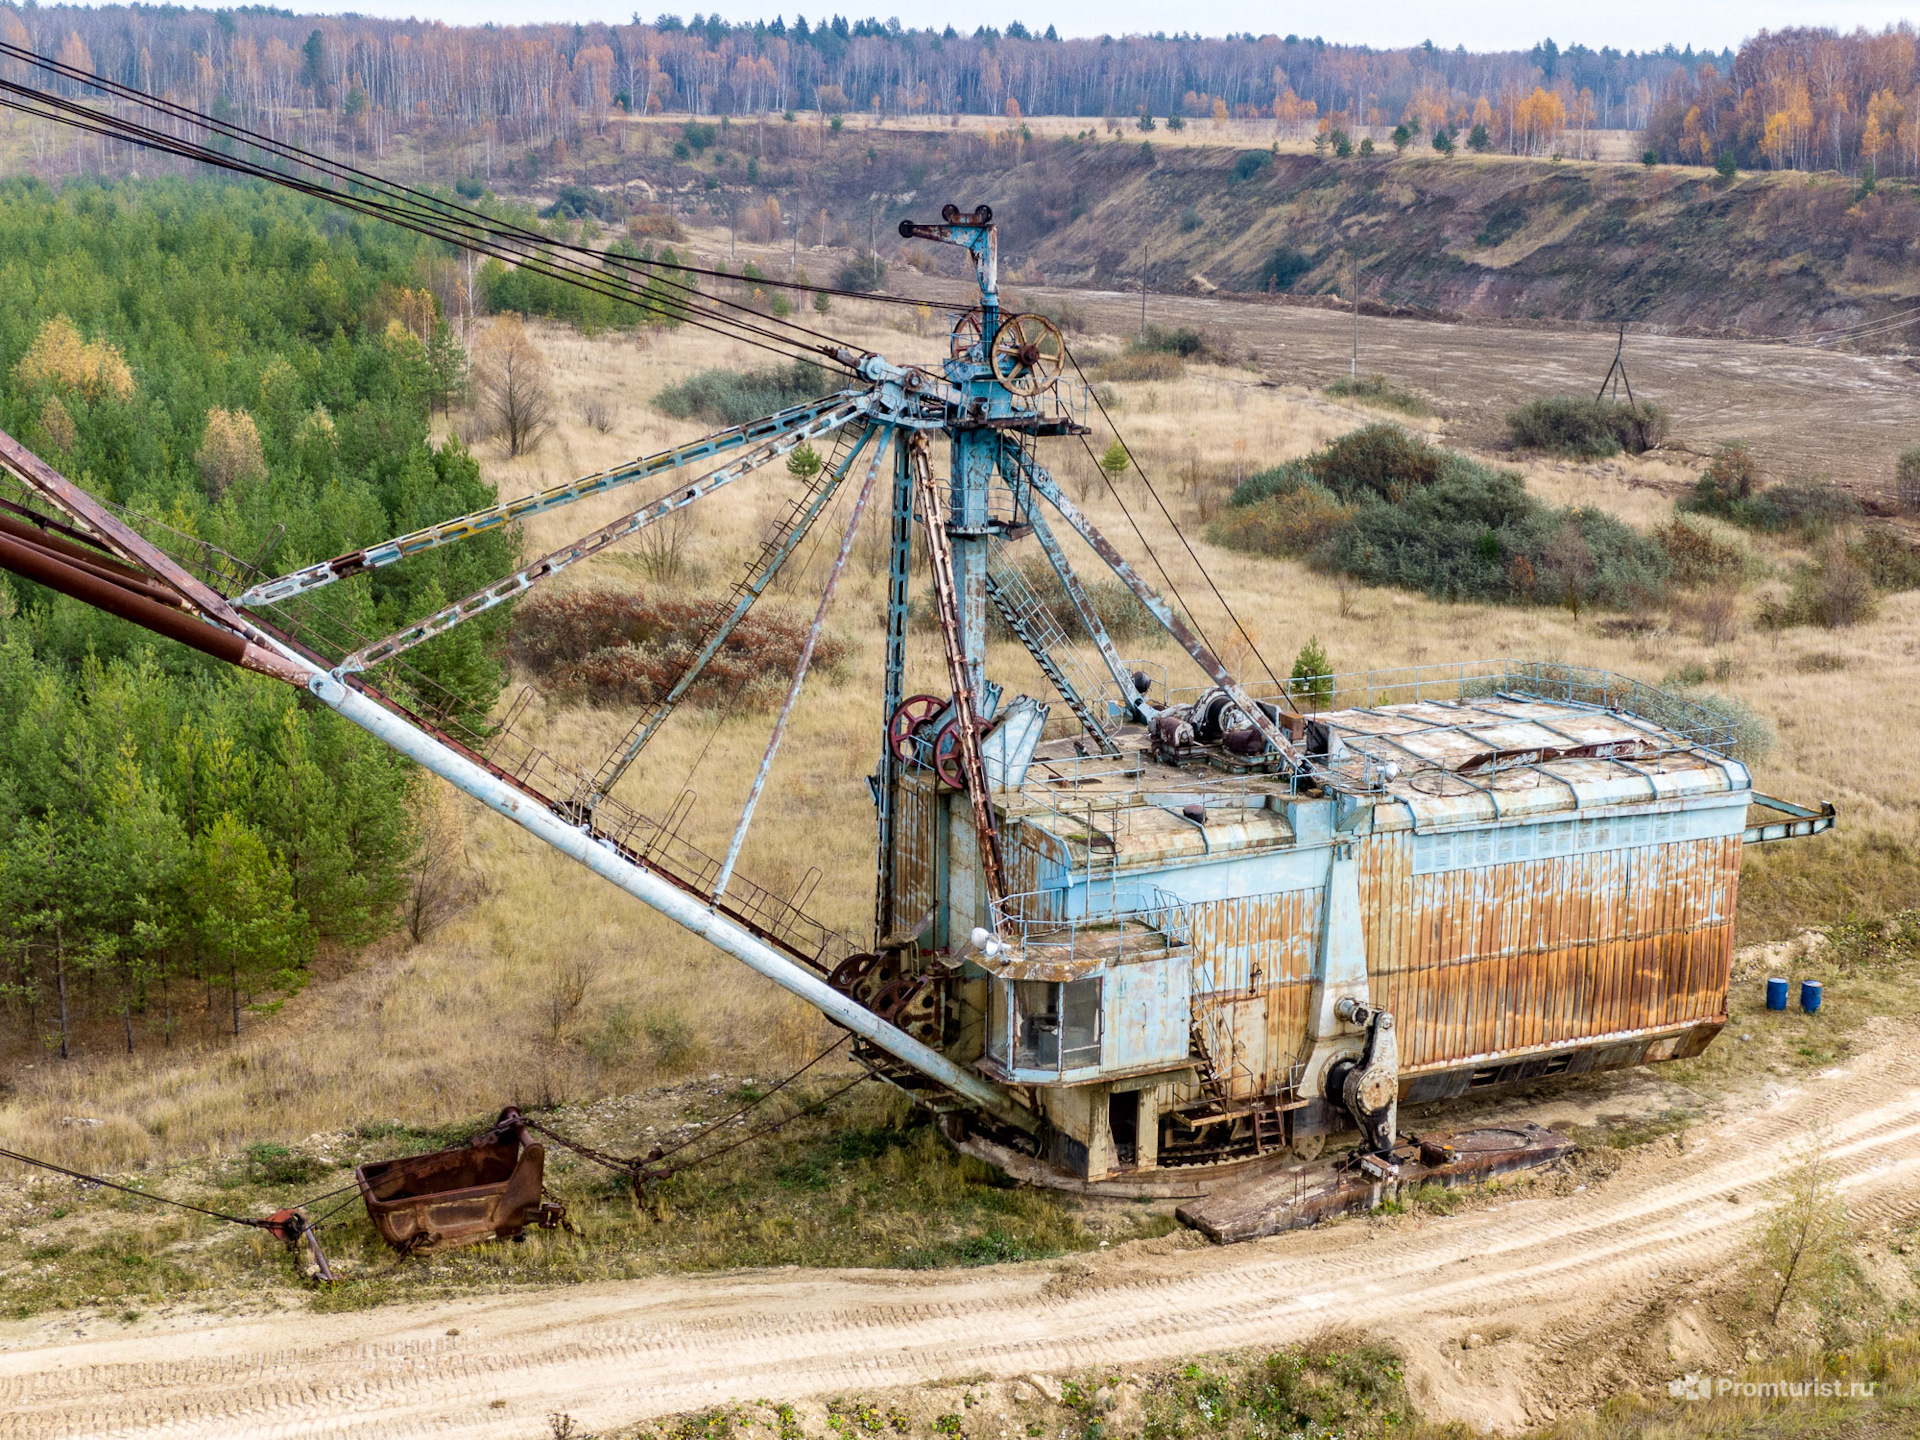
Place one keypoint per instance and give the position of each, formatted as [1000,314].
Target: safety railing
[1142,919]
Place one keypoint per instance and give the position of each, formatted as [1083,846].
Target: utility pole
[1353,372]
[793,262]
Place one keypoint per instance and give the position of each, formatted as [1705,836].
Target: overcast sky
[1489,25]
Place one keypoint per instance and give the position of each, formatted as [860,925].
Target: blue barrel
[1809,995]
[1777,994]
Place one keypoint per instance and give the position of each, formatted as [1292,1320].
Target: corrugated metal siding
[915,848]
[1477,962]
[1256,1024]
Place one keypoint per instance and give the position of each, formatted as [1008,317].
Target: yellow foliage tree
[229,450]
[59,357]
[1219,112]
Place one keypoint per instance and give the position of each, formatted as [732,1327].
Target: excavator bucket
[487,1189]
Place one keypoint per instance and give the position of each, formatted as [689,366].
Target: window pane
[998,999]
[1037,1022]
[1080,1024]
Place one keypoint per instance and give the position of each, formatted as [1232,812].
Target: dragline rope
[423,200]
[690,304]
[439,226]
[1173,524]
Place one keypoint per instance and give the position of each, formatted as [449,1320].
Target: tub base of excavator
[450,1198]
[1292,1195]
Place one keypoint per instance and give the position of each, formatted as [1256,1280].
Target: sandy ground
[1578,1292]
[1808,411]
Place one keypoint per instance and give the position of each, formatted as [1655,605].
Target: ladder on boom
[1033,624]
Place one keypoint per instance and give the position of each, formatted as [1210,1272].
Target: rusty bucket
[487,1189]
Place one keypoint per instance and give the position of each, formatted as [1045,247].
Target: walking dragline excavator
[1192,927]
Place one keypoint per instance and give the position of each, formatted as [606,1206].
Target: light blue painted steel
[606,861]
[555,561]
[285,587]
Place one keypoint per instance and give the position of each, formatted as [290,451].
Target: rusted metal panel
[915,850]
[1252,976]
[1493,959]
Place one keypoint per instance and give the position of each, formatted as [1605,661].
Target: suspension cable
[1172,524]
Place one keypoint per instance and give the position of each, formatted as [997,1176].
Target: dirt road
[1579,1294]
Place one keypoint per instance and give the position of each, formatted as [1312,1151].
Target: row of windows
[1500,844]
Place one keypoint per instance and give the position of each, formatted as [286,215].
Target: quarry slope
[1480,236]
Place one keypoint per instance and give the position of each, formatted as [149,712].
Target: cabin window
[1055,1025]
[1036,1011]
[1079,1024]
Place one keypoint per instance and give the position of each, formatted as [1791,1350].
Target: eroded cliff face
[1483,236]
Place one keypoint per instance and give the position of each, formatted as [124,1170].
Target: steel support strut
[555,561]
[959,671]
[756,584]
[1160,610]
[272,592]
[893,691]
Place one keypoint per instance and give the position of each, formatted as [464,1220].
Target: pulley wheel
[947,765]
[1027,353]
[914,712]
[964,343]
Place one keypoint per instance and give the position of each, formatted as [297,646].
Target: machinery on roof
[1118,926]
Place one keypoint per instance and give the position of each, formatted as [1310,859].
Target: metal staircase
[1034,625]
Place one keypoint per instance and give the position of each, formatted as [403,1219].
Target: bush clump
[1378,390]
[733,397]
[621,648]
[1699,557]
[865,274]
[1586,429]
[1389,509]
[1730,487]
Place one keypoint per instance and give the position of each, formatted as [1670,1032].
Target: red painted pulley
[914,712]
[947,764]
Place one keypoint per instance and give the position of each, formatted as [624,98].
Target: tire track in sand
[620,1352]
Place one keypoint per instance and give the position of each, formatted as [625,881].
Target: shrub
[1378,390]
[1297,522]
[1834,589]
[621,648]
[864,274]
[1891,561]
[1729,488]
[733,397]
[1586,429]
[1284,266]
[1388,509]
[1699,557]
[1753,733]
[1250,163]
[1185,343]
[1906,480]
